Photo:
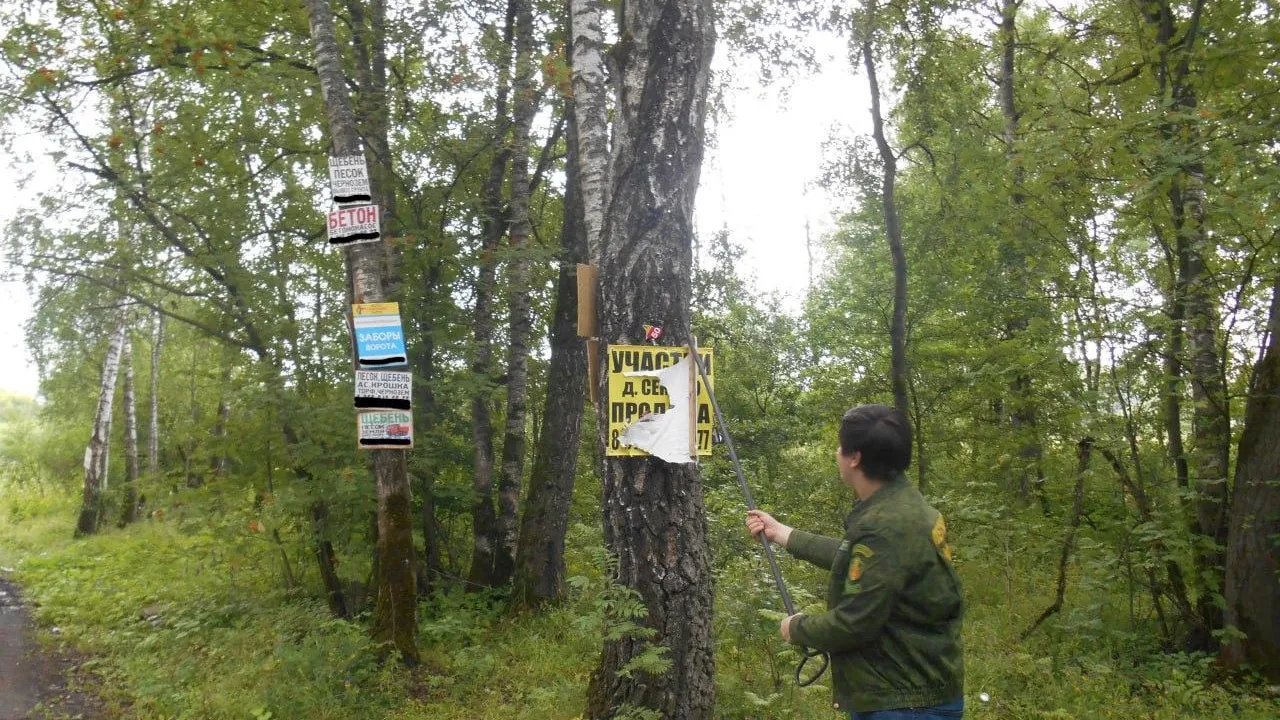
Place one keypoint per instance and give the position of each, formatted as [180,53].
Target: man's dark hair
[882,435]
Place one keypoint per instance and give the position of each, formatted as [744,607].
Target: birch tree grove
[654,522]
[395,607]
[1081,199]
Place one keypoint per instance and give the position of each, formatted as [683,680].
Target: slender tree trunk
[425,402]
[395,608]
[540,565]
[654,522]
[1023,415]
[218,463]
[129,512]
[484,521]
[520,321]
[1209,456]
[1084,451]
[889,161]
[1253,554]
[589,110]
[153,429]
[95,455]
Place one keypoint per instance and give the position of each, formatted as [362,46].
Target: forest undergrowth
[185,616]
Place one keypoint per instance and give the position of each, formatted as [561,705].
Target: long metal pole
[806,653]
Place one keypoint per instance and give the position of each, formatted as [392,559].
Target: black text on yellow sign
[631,398]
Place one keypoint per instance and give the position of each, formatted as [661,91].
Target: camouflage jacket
[894,605]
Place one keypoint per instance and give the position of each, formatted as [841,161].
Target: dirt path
[33,682]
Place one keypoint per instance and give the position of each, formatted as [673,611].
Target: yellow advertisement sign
[384,308]
[631,398]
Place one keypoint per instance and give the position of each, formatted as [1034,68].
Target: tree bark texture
[1251,589]
[395,608]
[1023,415]
[590,101]
[540,568]
[520,316]
[654,522]
[153,429]
[95,457]
[484,519]
[893,228]
[129,511]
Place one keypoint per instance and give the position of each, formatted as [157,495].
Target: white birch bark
[95,456]
[153,431]
[589,103]
[130,414]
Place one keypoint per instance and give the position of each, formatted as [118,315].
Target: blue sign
[379,335]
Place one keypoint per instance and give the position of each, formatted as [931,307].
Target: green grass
[226,640]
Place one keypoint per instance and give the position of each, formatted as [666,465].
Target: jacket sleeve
[817,549]
[871,587]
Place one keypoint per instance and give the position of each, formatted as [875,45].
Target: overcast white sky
[757,180]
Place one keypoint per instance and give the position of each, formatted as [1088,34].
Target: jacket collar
[887,491]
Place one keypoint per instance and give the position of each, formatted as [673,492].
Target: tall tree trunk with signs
[654,523]
[520,323]
[95,456]
[129,511]
[484,520]
[395,623]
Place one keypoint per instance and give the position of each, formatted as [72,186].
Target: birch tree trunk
[129,512]
[520,322]
[1252,557]
[540,567]
[483,518]
[590,101]
[898,328]
[95,455]
[654,523]
[218,461]
[395,608]
[153,429]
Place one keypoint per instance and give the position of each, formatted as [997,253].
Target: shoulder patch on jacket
[862,550]
[940,537]
[855,569]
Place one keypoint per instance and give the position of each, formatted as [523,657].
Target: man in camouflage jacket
[895,605]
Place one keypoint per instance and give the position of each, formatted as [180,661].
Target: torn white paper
[665,435]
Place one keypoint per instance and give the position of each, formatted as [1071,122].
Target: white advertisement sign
[355,224]
[349,179]
[384,389]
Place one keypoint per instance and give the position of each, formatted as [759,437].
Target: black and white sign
[349,179]
[355,224]
[384,389]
